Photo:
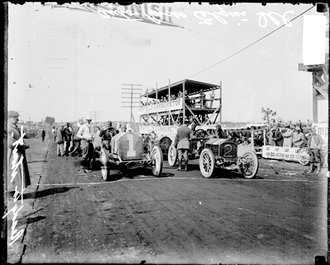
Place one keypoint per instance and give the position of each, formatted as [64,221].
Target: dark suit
[20,179]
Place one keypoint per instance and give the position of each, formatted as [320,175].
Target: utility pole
[220,102]
[131,92]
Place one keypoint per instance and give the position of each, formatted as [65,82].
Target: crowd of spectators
[199,101]
[276,134]
[84,140]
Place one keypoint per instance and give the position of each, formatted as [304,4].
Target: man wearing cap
[181,142]
[16,151]
[85,134]
[314,146]
[298,138]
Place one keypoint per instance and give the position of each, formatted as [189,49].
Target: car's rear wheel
[206,163]
[105,168]
[156,161]
[249,164]
[172,156]
[303,156]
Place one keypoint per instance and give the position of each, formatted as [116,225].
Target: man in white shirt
[86,144]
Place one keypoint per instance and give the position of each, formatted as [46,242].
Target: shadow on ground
[46,192]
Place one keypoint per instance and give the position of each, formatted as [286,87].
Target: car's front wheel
[172,155]
[206,163]
[303,156]
[249,164]
[156,161]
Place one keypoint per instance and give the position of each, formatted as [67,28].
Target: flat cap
[12,113]
[88,118]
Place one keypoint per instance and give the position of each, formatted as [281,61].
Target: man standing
[314,146]
[16,152]
[67,133]
[85,134]
[54,134]
[277,137]
[287,135]
[43,134]
[76,139]
[182,144]
[59,141]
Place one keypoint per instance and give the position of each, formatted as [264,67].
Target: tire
[303,156]
[156,161]
[172,156]
[105,168]
[250,165]
[206,163]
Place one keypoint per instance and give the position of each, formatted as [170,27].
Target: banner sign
[147,12]
[279,152]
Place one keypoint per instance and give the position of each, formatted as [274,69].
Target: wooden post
[170,100]
[157,103]
[220,101]
[184,101]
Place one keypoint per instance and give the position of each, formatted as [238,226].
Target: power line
[246,47]
[134,90]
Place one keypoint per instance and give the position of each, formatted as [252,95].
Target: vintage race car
[218,153]
[128,152]
[222,153]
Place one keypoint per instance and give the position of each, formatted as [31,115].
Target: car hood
[219,141]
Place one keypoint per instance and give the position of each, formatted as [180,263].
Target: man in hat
[19,177]
[314,146]
[85,134]
[298,138]
[182,143]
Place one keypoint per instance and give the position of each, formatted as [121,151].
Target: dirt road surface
[180,217]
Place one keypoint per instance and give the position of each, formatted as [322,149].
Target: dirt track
[278,218]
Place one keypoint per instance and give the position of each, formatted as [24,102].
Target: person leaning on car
[182,144]
[106,135]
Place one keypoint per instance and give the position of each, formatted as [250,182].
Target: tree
[49,120]
[268,115]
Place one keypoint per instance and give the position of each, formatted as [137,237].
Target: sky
[69,64]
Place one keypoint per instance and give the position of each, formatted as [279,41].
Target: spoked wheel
[249,164]
[156,161]
[206,163]
[303,156]
[172,155]
[105,168]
